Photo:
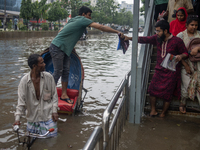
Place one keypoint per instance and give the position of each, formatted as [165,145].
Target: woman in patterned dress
[190,72]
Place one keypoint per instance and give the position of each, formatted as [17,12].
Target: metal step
[151,75]
[152,66]
[192,106]
[153,58]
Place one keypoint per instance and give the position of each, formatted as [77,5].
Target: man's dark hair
[191,18]
[163,24]
[84,10]
[33,60]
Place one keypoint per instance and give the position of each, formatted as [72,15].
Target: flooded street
[104,68]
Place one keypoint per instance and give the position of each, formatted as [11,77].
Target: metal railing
[95,140]
[111,131]
[107,137]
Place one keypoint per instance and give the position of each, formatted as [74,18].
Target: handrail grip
[94,138]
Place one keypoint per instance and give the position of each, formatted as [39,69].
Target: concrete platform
[170,133]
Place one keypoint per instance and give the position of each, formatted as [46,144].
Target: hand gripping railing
[111,132]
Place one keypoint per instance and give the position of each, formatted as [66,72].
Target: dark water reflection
[104,67]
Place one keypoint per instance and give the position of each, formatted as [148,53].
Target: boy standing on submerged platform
[63,44]
[165,82]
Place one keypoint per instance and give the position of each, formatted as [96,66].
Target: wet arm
[54,96]
[54,100]
[20,109]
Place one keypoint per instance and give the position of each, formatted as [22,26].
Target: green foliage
[26,10]
[39,10]
[74,5]
[21,26]
[9,24]
[0,23]
[106,12]
[45,26]
[57,12]
[142,9]
[33,26]
[55,28]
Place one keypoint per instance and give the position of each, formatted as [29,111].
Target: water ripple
[104,68]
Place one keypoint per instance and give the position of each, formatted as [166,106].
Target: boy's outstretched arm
[105,28]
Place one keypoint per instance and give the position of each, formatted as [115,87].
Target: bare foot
[153,113]
[162,115]
[182,109]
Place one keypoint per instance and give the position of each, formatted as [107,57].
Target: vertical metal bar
[112,141]
[134,61]
[118,133]
[146,7]
[127,96]
[115,134]
[97,146]
[138,97]
[101,143]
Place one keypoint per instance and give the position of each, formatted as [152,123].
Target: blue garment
[122,45]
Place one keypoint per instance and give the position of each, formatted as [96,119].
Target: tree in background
[39,10]
[105,11]
[26,10]
[57,12]
[142,9]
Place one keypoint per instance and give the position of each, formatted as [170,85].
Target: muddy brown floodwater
[104,68]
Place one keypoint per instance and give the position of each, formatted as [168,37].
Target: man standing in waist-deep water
[37,96]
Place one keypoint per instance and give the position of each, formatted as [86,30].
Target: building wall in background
[128,7]
[11,5]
